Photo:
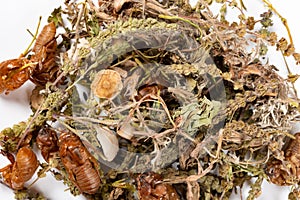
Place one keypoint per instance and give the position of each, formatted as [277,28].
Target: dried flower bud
[107,84]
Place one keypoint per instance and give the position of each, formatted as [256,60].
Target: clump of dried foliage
[173,101]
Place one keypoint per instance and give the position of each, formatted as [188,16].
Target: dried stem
[184,20]
[290,72]
[283,20]
[33,39]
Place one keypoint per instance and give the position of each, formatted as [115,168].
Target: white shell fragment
[108,141]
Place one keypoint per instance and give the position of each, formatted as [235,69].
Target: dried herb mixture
[155,100]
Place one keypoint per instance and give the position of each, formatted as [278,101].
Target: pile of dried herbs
[172,101]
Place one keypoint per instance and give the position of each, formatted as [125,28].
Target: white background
[17,16]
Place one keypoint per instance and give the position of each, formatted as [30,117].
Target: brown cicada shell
[47,142]
[44,50]
[286,172]
[292,154]
[14,73]
[21,170]
[80,165]
[40,68]
[151,187]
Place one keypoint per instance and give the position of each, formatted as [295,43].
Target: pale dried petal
[109,143]
[126,131]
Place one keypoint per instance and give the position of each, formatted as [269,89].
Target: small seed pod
[107,84]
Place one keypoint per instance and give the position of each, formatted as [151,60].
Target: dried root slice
[107,84]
